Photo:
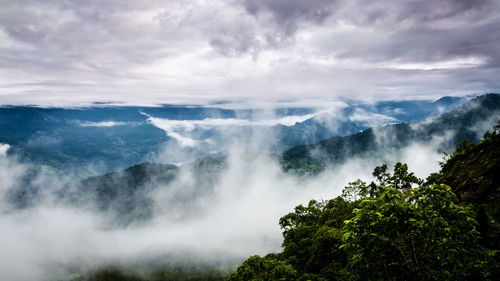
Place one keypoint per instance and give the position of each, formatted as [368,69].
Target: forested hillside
[398,228]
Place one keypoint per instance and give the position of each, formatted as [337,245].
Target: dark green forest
[398,227]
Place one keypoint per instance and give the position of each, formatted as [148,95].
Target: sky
[145,52]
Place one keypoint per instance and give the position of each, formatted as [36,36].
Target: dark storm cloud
[273,25]
[244,49]
[288,14]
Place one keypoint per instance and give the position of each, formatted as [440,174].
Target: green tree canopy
[420,235]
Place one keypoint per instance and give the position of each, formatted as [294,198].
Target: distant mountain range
[358,117]
[111,138]
[127,194]
[466,122]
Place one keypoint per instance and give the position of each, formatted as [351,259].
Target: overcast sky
[66,52]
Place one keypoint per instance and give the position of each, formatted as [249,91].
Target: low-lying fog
[52,240]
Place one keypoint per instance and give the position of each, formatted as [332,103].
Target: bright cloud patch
[371,119]
[102,124]
[177,129]
[3,149]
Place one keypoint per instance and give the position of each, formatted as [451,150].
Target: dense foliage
[473,171]
[423,234]
[399,228]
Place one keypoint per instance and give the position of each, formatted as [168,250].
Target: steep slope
[466,122]
[424,233]
[358,117]
[473,172]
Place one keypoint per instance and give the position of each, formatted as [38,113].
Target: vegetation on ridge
[389,231]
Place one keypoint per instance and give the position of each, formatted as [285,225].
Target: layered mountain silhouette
[112,138]
[128,194]
[466,122]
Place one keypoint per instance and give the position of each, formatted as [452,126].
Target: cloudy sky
[64,52]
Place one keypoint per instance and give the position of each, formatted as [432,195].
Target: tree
[312,237]
[258,268]
[355,191]
[402,178]
[381,174]
[420,235]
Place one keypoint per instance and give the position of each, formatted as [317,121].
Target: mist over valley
[207,212]
[249,140]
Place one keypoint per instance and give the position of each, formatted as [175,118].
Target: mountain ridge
[113,138]
[131,187]
[314,158]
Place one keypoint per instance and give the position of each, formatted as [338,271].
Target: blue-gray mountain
[126,194]
[110,138]
[469,122]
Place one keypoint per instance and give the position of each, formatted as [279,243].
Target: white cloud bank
[237,219]
[179,129]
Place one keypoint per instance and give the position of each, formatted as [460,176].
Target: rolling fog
[237,218]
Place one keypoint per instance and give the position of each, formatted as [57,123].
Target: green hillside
[473,171]
[382,232]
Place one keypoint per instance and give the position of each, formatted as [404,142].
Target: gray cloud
[66,52]
[288,14]
[425,12]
